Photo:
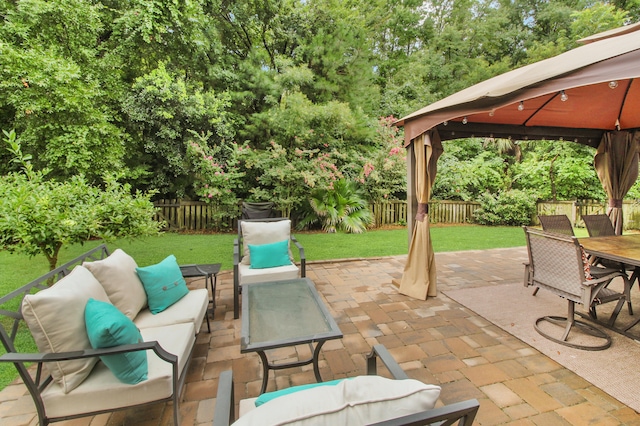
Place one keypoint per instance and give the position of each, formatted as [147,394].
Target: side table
[210,273]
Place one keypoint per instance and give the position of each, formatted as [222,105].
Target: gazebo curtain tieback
[423,210]
[612,203]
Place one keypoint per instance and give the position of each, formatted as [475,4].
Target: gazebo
[588,95]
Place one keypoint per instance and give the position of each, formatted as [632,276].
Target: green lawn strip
[18,270]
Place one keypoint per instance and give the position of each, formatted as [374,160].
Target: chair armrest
[379,351]
[224,413]
[236,251]
[89,353]
[303,259]
[464,411]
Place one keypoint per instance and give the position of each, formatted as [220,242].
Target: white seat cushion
[103,391]
[250,276]
[191,308]
[358,401]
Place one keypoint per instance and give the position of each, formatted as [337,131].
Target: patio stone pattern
[436,341]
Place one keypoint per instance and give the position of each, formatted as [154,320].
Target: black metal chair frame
[238,253]
[461,413]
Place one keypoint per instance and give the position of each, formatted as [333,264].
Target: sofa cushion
[108,327]
[359,401]
[55,317]
[117,274]
[190,309]
[269,255]
[103,391]
[257,233]
[163,283]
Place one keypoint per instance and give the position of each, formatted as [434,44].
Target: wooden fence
[199,216]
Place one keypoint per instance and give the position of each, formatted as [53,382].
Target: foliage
[39,216]
[384,174]
[511,208]
[104,87]
[341,207]
[218,177]
[164,110]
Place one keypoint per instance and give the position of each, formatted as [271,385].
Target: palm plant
[341,207]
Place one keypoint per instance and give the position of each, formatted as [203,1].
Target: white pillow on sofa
[117,274]
[359,401]
[259,233]
[55,317]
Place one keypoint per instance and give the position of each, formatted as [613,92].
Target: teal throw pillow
[266,397]
[163,284]
[269,255]
[108,327]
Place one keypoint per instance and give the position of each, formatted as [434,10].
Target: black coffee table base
[266,365]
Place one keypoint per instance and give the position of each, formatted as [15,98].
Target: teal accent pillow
[266,397]
[163,283]
[269,255]
[108,327]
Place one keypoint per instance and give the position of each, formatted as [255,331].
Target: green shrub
[514,207]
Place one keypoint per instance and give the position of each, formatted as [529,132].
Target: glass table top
[284,313]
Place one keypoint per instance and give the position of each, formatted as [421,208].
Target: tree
[40,216]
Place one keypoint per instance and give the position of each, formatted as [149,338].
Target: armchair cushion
[248,275]
[361,400]
[257,233]
[55,317]
[163,283]
[117,274]
[108,327]
[268,396]
[269,255]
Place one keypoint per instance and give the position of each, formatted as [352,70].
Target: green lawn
[18,270]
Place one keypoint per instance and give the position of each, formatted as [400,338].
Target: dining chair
[599,225]
[558,264]
[557,223]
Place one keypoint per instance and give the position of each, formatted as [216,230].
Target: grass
[18,270]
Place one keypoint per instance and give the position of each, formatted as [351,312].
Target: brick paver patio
[436,341]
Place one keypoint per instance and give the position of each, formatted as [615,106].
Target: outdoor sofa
[72,376]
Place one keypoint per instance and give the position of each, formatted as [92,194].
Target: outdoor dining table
[618,248]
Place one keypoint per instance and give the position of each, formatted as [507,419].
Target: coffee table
[281,314]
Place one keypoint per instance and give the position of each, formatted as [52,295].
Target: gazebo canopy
[589,95]
[576,96]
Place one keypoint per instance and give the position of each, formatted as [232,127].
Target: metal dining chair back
[598,225]
[556,223]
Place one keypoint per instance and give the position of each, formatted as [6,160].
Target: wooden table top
[619,248]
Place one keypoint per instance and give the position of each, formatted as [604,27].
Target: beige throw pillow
[362,400]
[258,233]
[55,317]
[117,274]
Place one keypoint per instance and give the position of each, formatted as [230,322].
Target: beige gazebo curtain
[616,162]
[419,277]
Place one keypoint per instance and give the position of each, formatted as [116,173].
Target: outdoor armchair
[386,405]
[262,253]
[556,223]
[558,264]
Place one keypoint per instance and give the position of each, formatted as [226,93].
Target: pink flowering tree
[383,174]
[219,175]
[286,177]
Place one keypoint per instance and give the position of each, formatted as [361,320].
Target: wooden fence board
[198,215]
